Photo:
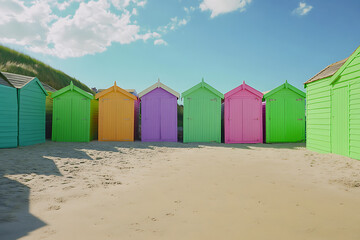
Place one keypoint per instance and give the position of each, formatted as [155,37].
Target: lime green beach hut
[285,114]
[75,115]
[8,114]
[202,114]
[333,108]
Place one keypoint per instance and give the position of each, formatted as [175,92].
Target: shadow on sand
[15,218]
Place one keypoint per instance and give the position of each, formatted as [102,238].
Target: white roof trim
[159,85]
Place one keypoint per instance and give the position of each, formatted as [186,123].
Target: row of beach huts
[247,115]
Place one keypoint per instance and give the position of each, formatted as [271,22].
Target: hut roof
[48,87]
[20,81]
[327,72]
[115,88]
[203,84]
[71,87]
[244,86]
[158,84]
[5,81]
[287,86]
[334,70]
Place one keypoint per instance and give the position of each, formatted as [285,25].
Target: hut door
[295,119]
[80,119]
[275,127]
[108,118]
[62,120]
[125,114]
[236,120]
[168,115]
[340,121]
[251,120]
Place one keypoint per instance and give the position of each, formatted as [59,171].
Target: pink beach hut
[243,115]
[159,114]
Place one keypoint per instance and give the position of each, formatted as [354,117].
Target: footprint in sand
[54,207]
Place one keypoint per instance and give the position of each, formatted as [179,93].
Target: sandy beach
[114,190]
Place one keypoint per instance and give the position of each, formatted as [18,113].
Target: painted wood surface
[8,117]
[32,118]
[202,114]
[159,116]
[74,115]
[243,115]
[333,112]
[116,114]
[285,114]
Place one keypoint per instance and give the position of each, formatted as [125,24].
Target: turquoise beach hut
[27,110]
[8,114]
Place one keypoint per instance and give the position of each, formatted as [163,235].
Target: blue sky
[180,41]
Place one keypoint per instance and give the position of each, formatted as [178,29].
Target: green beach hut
[285,114]
[8,114]
[202,114]
[333,108]
[75,115]
[31,97]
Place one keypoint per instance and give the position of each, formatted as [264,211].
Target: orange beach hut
[116,114]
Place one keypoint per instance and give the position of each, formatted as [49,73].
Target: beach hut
[31,97]
[202,113]
[116,114]
[159,113]
[74,115]
[333,108]
[8,114]
[285,114]
[243,115]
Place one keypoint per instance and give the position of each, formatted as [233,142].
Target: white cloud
[141,3]
[64,5]
[218,7]
[303,9]
[189,9]
[160,42]
[91,29]
[134,11]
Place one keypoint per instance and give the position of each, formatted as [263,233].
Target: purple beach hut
[159,113]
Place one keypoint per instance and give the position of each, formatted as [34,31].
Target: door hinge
[299,99]
[299,119]
[271,99]
[214,99]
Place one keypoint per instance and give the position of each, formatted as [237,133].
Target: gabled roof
[48,87]
[286,85]
[244,86]
[115,88]
[327,72]
[17,80]
[336,76]
[132,91]
[159,85]
[4,81]
[20,81]
[203,84]
[71,87]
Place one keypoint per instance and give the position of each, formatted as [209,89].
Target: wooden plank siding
[318,114]
[31,114]
[328,129]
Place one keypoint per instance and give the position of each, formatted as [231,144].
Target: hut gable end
[159,85]
[115,89]
[349,67]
